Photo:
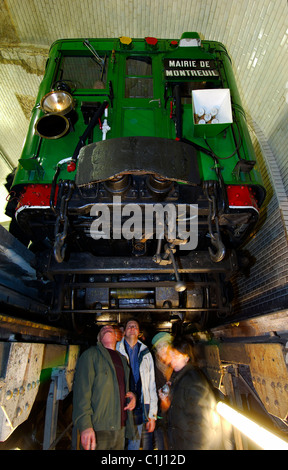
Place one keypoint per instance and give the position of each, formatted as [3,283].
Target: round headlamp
[59,101]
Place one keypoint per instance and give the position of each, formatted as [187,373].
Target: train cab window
[187,87]
[138,79]
[83,72]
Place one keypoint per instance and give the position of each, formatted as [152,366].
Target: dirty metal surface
[261,345]
[270,377]
[19,386]
[262,325]
[12,328]
[208,358]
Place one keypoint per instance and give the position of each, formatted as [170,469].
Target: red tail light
[242,196]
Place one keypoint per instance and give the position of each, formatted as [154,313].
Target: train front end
[137,180]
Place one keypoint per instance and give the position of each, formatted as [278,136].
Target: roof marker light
[151,41]
[125,40]
[190,40]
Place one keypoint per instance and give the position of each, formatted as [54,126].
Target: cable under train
[128,126]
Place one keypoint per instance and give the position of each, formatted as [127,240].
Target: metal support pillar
[58,391]
[51,416]
[232,391]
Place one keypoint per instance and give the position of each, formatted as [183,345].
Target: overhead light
[59,101]
[263,438]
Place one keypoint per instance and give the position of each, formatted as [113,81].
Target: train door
[141,106]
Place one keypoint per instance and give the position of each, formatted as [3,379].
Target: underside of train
[137,181]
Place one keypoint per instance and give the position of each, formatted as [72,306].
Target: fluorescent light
[263,438]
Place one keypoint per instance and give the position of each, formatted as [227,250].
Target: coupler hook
[215,237]
[61,227]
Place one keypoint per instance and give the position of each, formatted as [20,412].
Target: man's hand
[132,403]
[88,439]
[150,426]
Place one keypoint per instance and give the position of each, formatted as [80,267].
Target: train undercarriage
[244,359]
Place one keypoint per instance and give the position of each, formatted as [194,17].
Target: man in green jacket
[100,394]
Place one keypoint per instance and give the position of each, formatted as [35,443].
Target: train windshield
[188,87]
[139,79]
[83,72]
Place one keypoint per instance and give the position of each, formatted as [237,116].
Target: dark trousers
[110,440]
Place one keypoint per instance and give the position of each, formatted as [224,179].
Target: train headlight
[60,102]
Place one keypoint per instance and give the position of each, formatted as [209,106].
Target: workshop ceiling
[254,32]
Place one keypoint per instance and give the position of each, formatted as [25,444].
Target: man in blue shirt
[142,380]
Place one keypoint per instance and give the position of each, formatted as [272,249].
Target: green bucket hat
[161,338]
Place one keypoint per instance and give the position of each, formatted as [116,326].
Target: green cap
[162,337]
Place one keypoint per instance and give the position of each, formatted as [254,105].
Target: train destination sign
[188,68]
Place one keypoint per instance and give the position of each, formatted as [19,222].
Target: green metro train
[122,130]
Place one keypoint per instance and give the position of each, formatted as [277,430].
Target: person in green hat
[192,421]
[161,346]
